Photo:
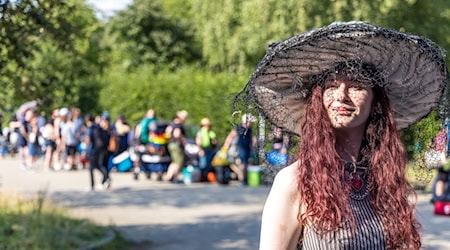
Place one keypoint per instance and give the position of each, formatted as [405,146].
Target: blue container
[191,174]
[122,162]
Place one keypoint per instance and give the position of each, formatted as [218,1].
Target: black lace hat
[411,69]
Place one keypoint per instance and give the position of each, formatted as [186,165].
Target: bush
[201,93]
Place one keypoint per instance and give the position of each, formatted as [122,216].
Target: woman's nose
[341,93]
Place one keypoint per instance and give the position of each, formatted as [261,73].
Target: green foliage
[201,93]
[146,34]
[234,34]
[417,137]
[48,49]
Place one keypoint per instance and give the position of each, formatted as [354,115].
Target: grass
[32,223]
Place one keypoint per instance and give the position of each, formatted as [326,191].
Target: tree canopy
[49,50]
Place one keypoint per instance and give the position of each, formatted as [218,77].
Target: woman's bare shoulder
[289,172]
[287,178]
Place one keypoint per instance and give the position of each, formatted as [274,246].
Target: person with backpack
[176,145]
[143,129]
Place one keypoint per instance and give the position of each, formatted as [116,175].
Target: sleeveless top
[368,233]
[183,133]
[245,137]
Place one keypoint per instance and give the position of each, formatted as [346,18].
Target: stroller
[191,170]
[152,157]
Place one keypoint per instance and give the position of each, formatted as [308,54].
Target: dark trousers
[97,160]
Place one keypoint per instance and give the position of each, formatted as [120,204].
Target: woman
[346,90]
[176,145]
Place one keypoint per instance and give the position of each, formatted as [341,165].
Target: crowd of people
[69,141]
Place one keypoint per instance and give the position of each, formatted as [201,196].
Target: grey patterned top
[369,232]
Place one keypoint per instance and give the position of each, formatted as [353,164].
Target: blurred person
[31,134]
[28,138]
[243,134]
[97,138]
[58,121]
[111,144]
[69,139]
[278,154]
[206,139]
[98,119]
[48,133]
[77,119]
[22,139]
[176,145]
[142,131]
[122,129]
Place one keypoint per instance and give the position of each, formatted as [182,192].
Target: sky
[106,8]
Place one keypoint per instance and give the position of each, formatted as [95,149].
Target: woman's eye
[331,87]
[358,87]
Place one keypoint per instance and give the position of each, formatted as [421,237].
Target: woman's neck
[349,144]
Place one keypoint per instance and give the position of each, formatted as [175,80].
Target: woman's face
[347,103]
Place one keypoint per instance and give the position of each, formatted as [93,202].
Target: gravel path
[155,215]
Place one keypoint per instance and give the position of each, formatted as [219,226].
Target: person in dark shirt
[244,136]
[97,138]
[176,145]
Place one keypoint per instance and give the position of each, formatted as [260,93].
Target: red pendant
[356,184]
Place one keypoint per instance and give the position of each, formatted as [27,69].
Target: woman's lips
[342,110]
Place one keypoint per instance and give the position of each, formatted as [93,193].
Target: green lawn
[36,224]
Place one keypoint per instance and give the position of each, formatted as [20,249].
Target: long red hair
[320,174]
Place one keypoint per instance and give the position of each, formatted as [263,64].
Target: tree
[235,34]
[48,47]
[147,35]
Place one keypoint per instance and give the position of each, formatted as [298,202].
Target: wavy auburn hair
[321,181]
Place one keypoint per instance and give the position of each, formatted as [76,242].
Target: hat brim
[413,66]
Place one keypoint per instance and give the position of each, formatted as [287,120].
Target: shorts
[71,150]
[176,153]
[21,142]
[244,155]
[33,149]
[49,144]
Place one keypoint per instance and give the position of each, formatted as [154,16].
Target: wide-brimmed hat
[412,67]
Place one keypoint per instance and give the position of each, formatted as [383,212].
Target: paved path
[175,216]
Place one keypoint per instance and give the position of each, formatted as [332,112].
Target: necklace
[356,175]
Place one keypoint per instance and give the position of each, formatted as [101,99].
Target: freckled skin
[348,103]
